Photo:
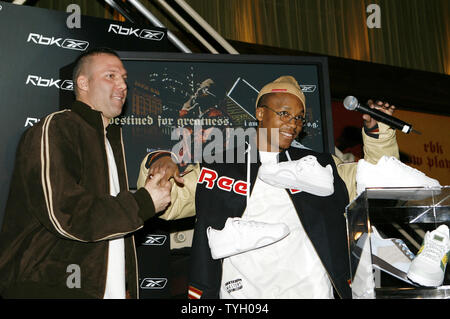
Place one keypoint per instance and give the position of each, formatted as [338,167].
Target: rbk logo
[308,88]
[71,44]
[30,121]
[144,33]
[155,240]
[42,82]
[153,283]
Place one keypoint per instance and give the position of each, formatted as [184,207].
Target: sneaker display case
[385,230]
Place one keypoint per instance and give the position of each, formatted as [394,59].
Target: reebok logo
[153,283]
[30,121]
[210,176]
[71,44]
[139,33]
[37,80]
[155,240]
[308,88]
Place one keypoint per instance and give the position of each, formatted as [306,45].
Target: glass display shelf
[404,214]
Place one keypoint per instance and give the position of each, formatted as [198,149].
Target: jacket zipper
[136,266]
[108,191]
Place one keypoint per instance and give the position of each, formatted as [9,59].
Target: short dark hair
[82,58]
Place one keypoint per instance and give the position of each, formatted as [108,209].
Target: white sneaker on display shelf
[305,174]
[390,255]
[241,235]
[390,172]
[428,268]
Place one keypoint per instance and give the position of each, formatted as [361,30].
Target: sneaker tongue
[309,160]
[441,234]
[443,229]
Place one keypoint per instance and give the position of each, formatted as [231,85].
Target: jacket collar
[93,118]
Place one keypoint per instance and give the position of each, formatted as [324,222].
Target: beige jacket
[183,198]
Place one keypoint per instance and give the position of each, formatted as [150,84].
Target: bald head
[82,64]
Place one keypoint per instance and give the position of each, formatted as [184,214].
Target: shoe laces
[306,161]
[434,250]
[401,244]
[247,223]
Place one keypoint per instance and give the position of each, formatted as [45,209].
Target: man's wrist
[152,158]
[372,131]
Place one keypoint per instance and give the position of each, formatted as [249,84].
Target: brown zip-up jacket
[60,212]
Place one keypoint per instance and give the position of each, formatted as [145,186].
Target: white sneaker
[305,174]
[428,268]
[390,255]
[241,235]
[390,172]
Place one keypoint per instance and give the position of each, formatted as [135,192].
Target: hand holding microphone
[384,107]
[351,103]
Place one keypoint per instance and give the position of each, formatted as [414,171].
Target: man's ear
[259,113]
[82,83]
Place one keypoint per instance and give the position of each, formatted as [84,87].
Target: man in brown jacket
[67,231]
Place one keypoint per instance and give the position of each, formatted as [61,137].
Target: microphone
[351,103]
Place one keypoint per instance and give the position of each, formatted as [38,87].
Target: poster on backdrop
[197,105]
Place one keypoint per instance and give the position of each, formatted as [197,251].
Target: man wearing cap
[312,261]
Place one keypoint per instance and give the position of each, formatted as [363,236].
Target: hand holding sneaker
[305,174]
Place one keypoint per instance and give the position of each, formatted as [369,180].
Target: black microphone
[351,103]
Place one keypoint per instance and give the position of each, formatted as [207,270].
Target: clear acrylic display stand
[401,213]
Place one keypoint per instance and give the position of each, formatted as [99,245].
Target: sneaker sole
[306,187]
[232,252]
[384,266]
[422,281]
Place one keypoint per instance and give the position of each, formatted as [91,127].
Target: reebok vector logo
[154,240]
[153,283]
[308,88]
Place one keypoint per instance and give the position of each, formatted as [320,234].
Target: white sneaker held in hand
[240,235]
[305,174]
[390,172]
[428,268]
